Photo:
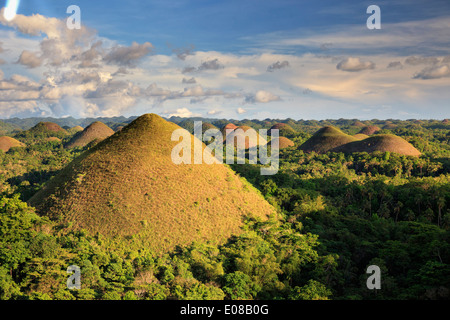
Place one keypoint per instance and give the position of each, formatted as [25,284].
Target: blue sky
[232,59]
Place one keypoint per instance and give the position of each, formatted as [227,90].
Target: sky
[246,59]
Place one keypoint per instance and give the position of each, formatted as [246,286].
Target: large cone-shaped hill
[48,128]
[284,129]
[382,143]
[229,126]
[326,139]
[128,185]
[7,143]
[251,140]
[369,130]
[283,143]
[96,131]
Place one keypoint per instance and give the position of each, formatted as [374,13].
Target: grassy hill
[382,143]
[370,130]
[283,143]
[325,139]
[250,141]
[128,186]
[7,143]
[95,131]
[284,129]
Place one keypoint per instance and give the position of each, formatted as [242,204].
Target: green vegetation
[338,213]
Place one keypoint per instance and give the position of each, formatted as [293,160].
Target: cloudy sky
[254,59]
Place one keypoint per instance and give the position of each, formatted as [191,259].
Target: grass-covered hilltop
[104,194]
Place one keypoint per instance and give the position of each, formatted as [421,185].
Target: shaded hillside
[326,139]
[96,131]
[382,143]
[127,185]
[7,143]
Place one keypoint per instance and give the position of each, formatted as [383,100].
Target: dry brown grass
[381,143]
[284,129]
[47,127]
[251,140]
[95,131]
[7,143]
[283,143]
[370,130]
[326,139]
[127,185]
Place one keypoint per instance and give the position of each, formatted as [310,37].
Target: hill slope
[369,130]
[95,131]
[326,139]
[7,143]
[250,141]
[127,185]
[284,129]
[382,143]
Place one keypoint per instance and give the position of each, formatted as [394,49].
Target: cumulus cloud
[352,64]
[241,110]
[414,60]
[213,64]
[277,66]
[262,96]
[433,72]
[182,113]
[183,53]
[189,81]
[127,56]
[395,65]
[214,112]
[29,59]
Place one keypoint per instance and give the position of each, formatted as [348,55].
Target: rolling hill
[250,141]
[127,186]
[96,131]
[326,139]
[381,143]
[284,129]
[370,130]
[7,143]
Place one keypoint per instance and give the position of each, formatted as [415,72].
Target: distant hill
[284,129]
[326,139]
[370,130]
[382,143]
[229,126]
[75,129]
[128,186]
[47,128]
[283,143]
[7,143]
[96,131]
[250,141]
[358,124]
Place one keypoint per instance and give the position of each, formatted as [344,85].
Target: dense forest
[338,214]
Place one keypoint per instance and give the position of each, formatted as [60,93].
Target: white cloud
[434,72]
[241,110]
[352,64]
[262,96]
[182,113]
